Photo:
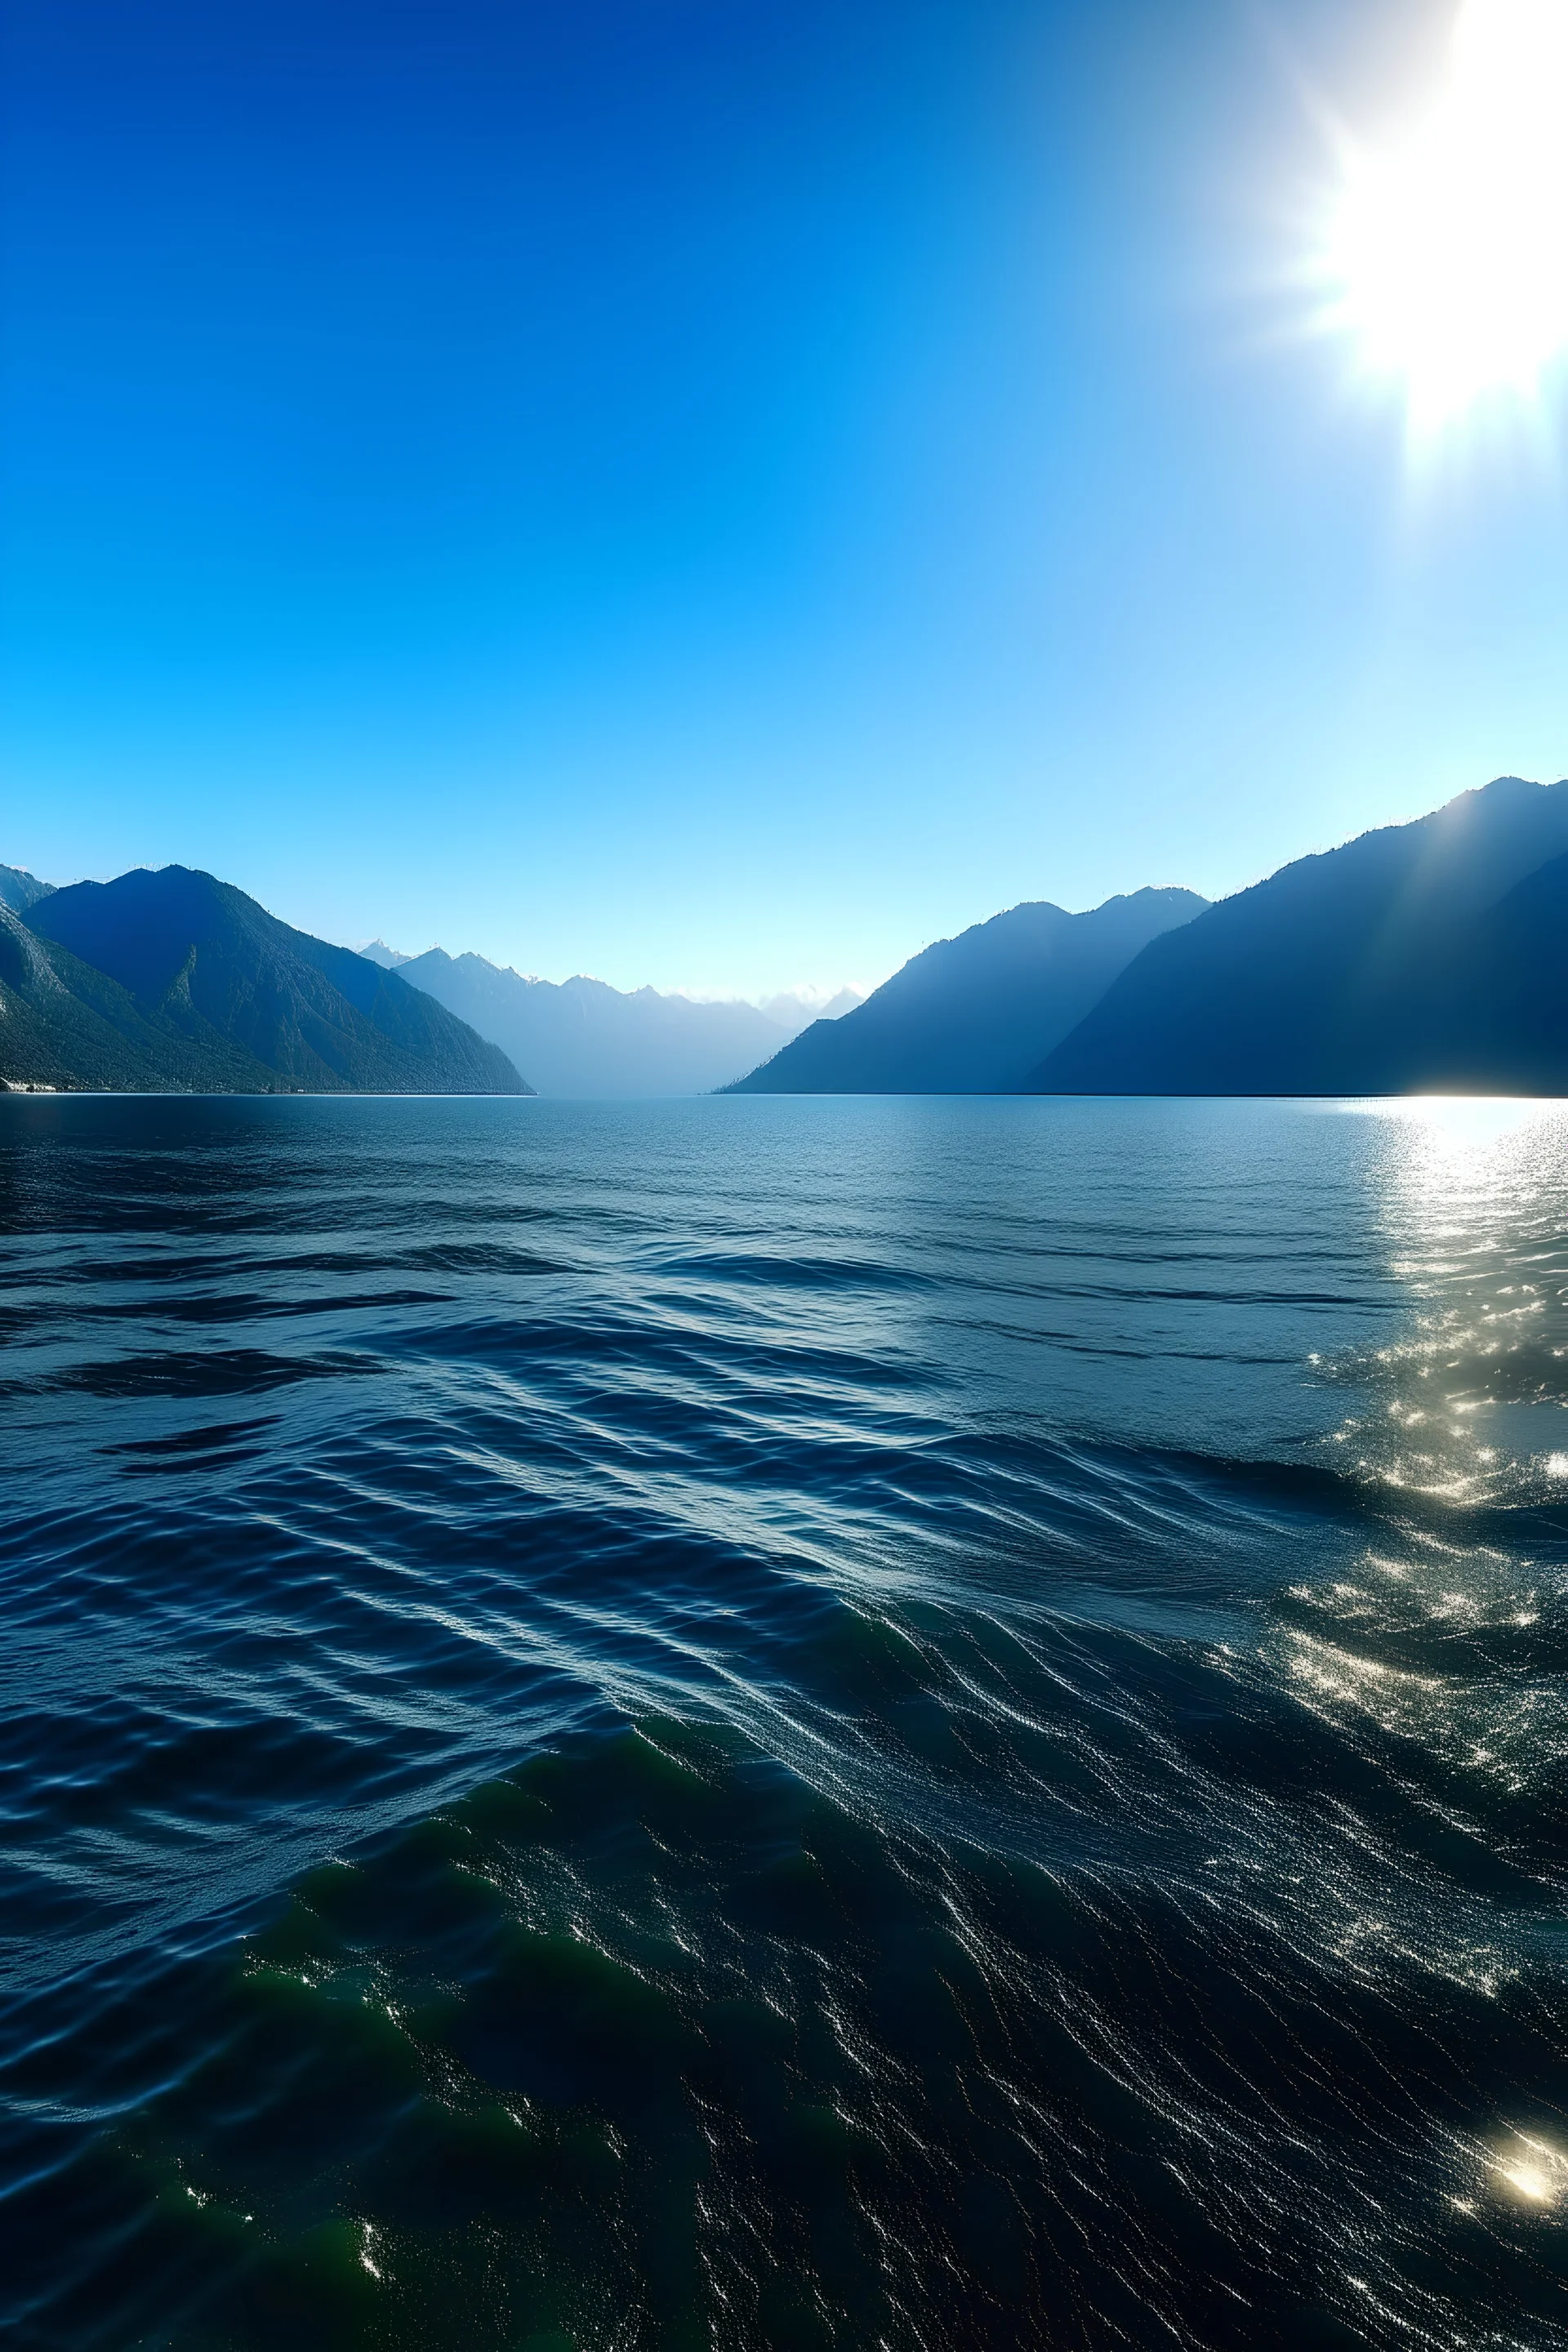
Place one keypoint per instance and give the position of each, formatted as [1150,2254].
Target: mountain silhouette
[1428,955]
[974,1014]
[172,978]
[581,1037]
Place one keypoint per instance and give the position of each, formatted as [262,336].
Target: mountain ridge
[1336,974]
[19,889]
[971,1014]
[580,1038]
[174,980]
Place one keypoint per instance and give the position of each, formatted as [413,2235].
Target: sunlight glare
[1448,254]
[1533,2170]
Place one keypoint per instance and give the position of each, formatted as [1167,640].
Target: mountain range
[1423,956]
[174,981]
[581,1037]
[1432,955]
[976,1014]
[1428,956]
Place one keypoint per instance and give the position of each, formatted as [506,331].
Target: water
[783,1723]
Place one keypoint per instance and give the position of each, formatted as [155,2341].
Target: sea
[783,1724]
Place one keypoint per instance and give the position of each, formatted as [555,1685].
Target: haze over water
[783,1722]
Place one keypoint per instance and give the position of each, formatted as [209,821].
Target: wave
[654,1801]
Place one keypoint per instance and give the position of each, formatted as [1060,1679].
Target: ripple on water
[938,1724]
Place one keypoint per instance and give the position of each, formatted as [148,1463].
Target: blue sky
[718,493]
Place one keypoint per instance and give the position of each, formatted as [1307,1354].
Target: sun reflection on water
[1531,2171]
[1440,1636]
[1472,1196]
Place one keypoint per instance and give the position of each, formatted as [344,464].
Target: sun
[1446,255]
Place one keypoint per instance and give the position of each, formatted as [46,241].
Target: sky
[721,493]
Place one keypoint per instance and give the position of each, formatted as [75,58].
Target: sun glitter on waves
[1446,254]
[1531,2171]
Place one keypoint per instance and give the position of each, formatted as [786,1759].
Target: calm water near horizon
[782,1723]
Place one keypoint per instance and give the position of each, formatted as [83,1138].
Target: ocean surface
[783,1724]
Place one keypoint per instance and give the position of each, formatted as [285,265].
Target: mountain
[19,891]
[377,951]
[580,1037]
[972,1014]
[173,980]
[1507,995]
[64,1024]
[1425,955]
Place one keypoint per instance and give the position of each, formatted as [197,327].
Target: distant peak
[19,889]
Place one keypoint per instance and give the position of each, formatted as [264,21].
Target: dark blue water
[783,1723]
